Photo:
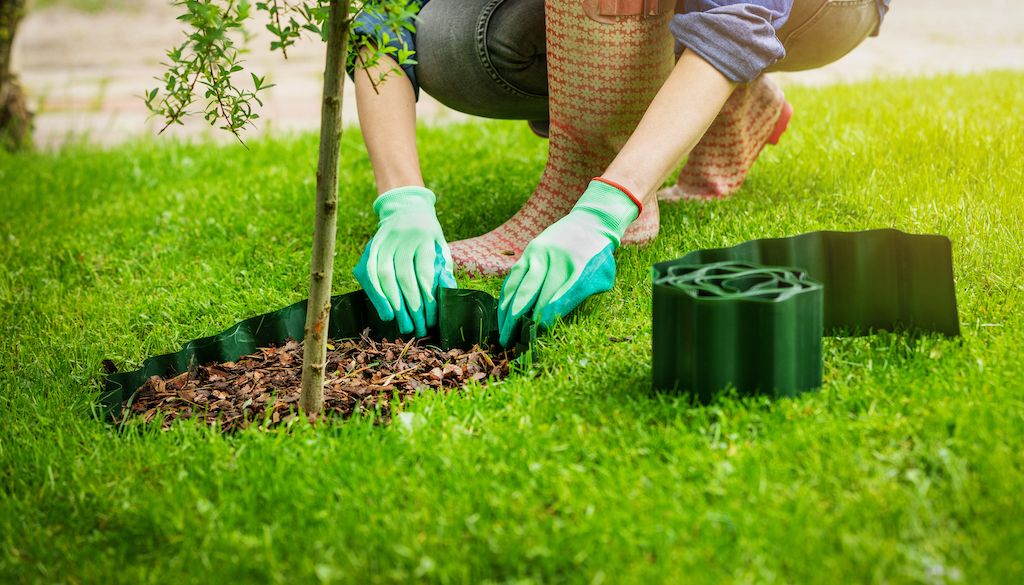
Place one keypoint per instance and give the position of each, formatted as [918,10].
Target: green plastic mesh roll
[736,317]
[737,324]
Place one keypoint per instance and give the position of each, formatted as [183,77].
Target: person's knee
[516,44]
[820,32]
[484,58]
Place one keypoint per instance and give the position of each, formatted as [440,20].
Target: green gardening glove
[406,260]
[569,261]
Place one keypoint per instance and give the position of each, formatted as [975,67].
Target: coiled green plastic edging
[465,317]
[738,317]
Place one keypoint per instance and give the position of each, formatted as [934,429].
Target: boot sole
[781,124]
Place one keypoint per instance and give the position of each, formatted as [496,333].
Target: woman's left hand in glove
[569,261]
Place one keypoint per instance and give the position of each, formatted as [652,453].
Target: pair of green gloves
[408,259]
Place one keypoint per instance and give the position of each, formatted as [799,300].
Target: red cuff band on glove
[639,206]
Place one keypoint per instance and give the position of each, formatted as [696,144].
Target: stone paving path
[84,71]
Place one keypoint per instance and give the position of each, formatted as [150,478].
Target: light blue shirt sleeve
[736,37]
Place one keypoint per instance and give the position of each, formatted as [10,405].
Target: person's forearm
[678,116]
[387,118]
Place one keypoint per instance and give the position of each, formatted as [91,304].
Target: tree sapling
[201,77]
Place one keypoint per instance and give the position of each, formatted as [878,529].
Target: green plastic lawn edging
[465,317]
[752,316]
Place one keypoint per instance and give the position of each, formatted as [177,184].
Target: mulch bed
[363,375]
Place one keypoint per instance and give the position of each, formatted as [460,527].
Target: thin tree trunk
[15,119]
[318,312]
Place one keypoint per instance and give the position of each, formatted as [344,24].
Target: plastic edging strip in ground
[739,317]
[465,317]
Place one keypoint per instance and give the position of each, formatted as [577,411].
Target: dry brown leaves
[263,388]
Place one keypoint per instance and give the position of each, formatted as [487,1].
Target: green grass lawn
[905,467]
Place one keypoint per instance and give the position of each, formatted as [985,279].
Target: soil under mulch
[263,388]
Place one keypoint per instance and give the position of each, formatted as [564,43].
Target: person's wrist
[610,205]
[403,198]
